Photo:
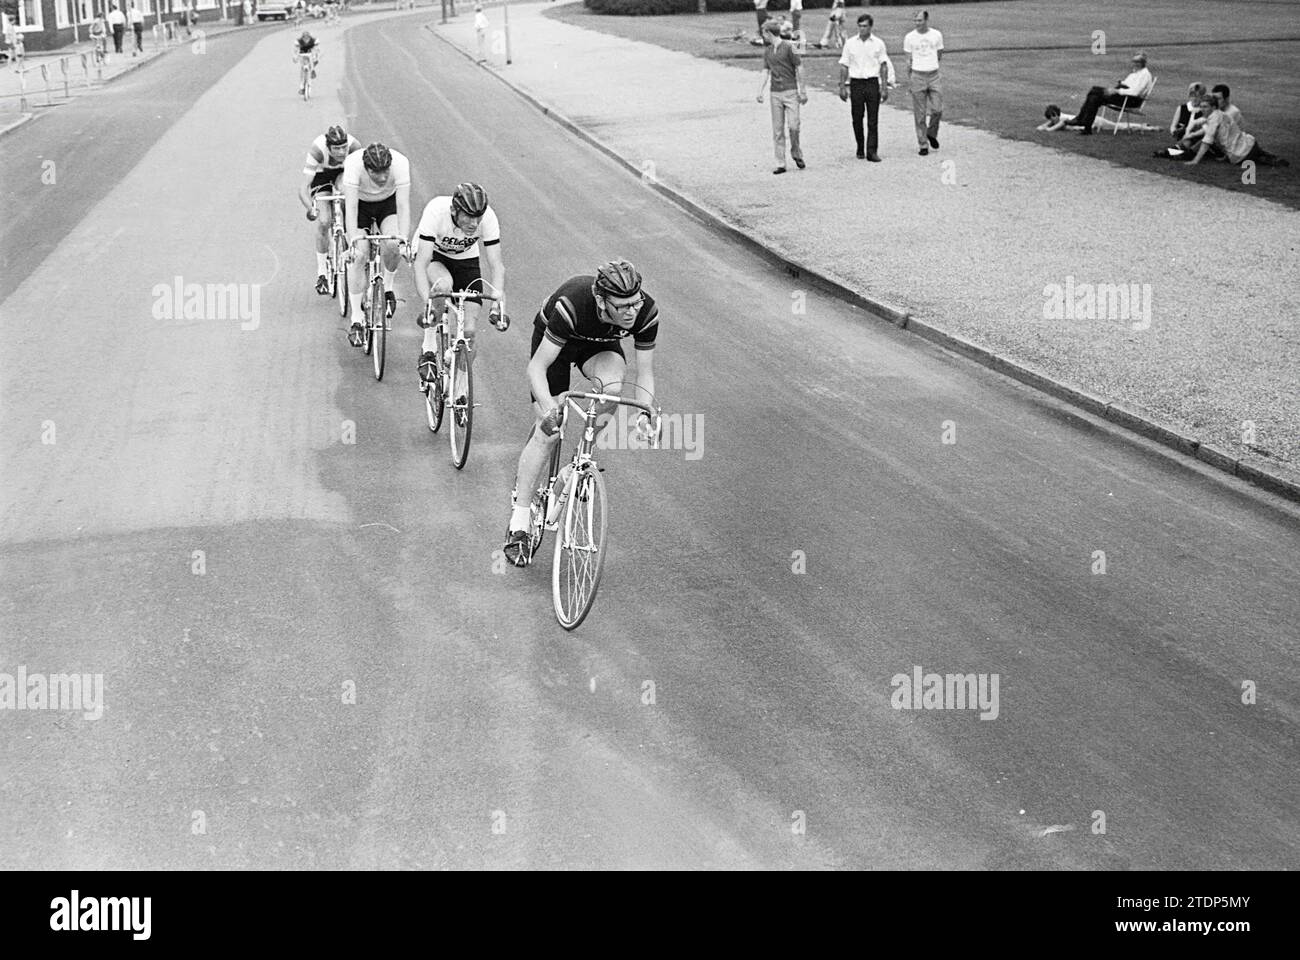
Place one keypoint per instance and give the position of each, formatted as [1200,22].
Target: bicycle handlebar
[569,396]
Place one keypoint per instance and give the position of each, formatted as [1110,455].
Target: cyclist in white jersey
[453,233]
[377,184]
[320,174]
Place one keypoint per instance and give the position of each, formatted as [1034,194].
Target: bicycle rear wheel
[461,399]
[434,399]
[541,503]
[579,547]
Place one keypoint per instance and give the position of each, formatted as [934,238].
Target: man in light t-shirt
[924,49]
[377,187]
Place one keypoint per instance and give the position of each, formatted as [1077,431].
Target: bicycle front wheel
[579,547]
[381,337]
[461,400]
[375,307]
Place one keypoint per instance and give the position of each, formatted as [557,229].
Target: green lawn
[1005,61]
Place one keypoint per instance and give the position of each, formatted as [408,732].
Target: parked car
[274,11]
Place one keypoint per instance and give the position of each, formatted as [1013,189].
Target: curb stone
[1108,409]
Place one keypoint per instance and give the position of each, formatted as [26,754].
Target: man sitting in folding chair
[1126,97]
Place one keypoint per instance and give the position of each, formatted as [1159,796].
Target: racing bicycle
[570,501]
[336,257]
[306,70]
[454,383]
[376,324]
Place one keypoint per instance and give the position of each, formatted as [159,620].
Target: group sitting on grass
[1206,125]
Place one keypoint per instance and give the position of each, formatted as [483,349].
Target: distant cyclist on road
[377,185]
[321,172]
[305,46]
[452,234]
[582,324]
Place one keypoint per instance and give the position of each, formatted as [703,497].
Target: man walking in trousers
[924,49]
[866,74]
[782,64]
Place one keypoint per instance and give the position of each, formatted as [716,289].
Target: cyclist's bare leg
[357,280]
[607,372]
[324,217]
[392,255]
[439,282]
[532,460]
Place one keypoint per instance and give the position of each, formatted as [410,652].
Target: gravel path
[970,238]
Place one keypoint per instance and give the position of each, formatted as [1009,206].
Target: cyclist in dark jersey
[582,324]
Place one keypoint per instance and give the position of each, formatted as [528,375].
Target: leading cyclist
[377,185]
[581,324]
[320,174]
[452,232]
[305,46]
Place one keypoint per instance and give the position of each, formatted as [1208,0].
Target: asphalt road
[482,734]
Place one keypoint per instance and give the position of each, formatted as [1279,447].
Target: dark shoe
[1085,131]
[934,142]
[516,548]
[356,333]
[779,170]
[428,366]
[800,164]
[323,285]
[390,304]
[861,155]
[874,158]
[924,151]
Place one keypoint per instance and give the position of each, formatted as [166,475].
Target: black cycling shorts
[325,180]
[463,272]
[375,211]
[573,354]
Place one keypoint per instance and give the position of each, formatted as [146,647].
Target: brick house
[50,24]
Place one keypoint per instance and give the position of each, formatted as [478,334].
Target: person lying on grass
[1056,120]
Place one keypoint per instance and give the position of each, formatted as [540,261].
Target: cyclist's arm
[404,209]
[423,255]
[304,189]
[497,269]
[645,377]
[548,351]
[351,195]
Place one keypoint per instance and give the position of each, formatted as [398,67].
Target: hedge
[644,8]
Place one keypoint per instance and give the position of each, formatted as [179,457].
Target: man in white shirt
[137,26]
[377,185]
[116,23]
[924,49]
[480,31]
[866,74]
[1133,87]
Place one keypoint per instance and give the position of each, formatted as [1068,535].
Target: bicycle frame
[579,515]
[338,243]
[377,321]
[583,452]
[452,350]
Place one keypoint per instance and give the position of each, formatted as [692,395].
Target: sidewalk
[11,114]
[976,240]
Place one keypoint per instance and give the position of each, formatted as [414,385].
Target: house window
[61,13]
[30,16]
